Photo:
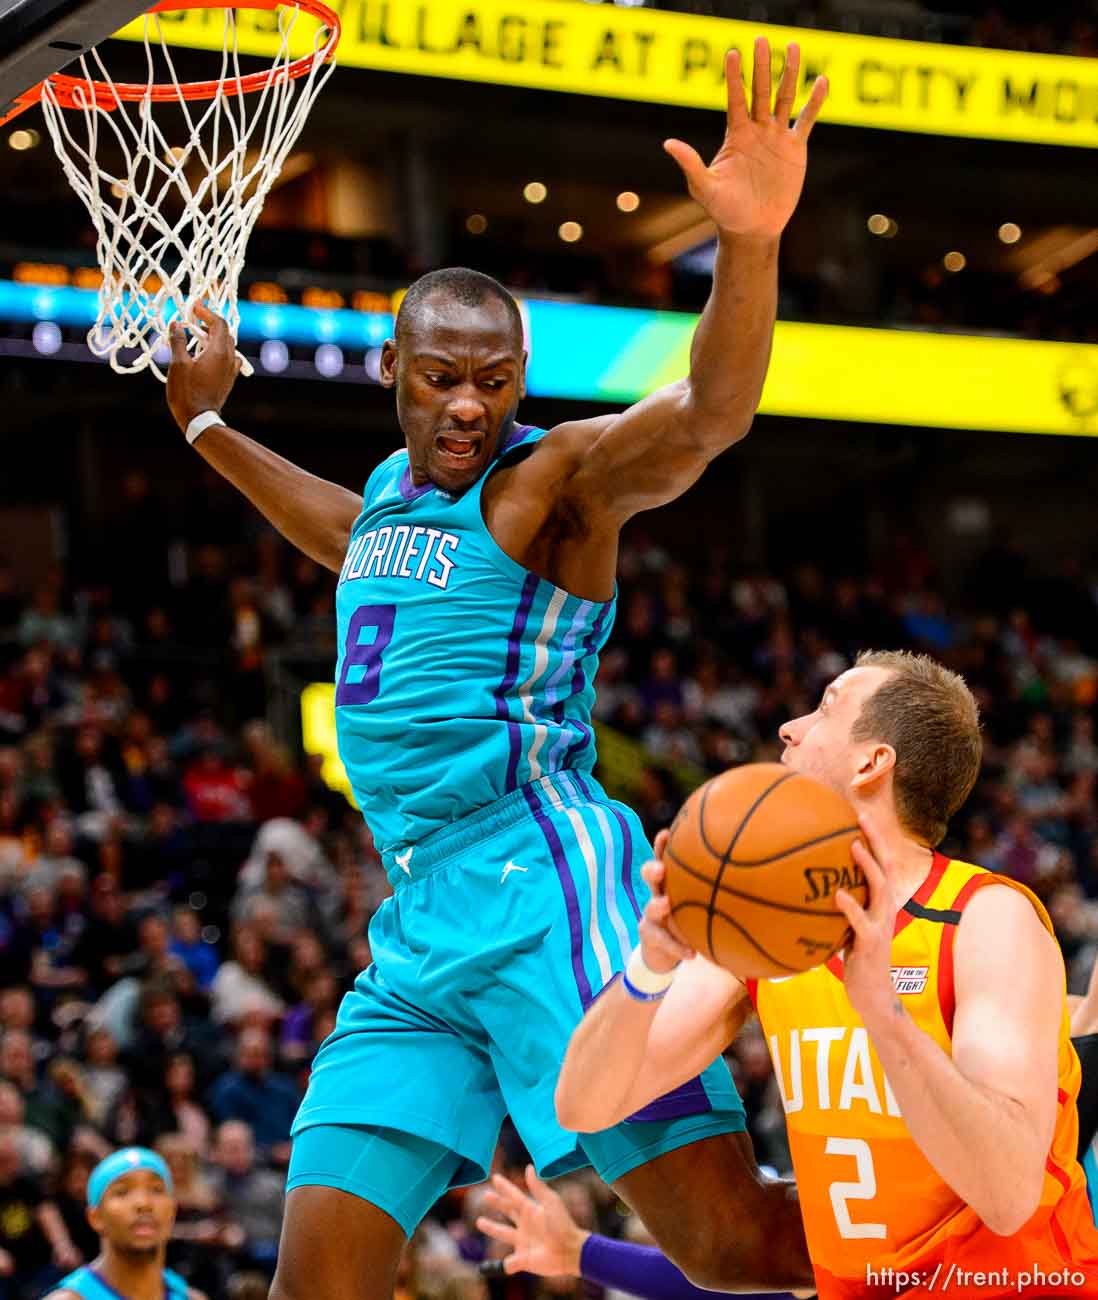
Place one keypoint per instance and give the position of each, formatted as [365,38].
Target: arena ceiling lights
[657,57]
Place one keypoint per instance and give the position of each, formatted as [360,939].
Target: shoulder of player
[566,445]
[1000,929]
[548,465]
[63,1294]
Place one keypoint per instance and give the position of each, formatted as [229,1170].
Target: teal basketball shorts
[501,931]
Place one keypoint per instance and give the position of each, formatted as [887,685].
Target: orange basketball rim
[84,92]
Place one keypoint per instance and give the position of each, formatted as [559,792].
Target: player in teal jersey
[131,1204]
[476,587]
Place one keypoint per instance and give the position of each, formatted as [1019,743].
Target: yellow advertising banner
[655,57]
[944,381]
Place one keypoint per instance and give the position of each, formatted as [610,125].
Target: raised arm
[313,514]
[655,450]
[625,1053]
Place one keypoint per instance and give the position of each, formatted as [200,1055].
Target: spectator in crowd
[103,1076]
[255,1093]
[43,1109]
[109,936]
[71,1200]
[36,1152]
[322,994]
[164,1032]
[180,1093]
[215,791]
[240,987]
[35,1249]
[289,901]
[252,1195]
[203,1237]
[199,957]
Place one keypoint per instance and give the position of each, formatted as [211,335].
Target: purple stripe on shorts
[578,745]
[689,1098]
[568,887]
[510,675]
[627,857]
[586,736]
[582,785]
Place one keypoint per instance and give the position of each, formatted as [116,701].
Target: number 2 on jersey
[865,1189]
[365,655]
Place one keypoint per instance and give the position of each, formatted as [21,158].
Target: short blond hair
[930,718]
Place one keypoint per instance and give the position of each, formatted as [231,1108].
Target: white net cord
[173,207]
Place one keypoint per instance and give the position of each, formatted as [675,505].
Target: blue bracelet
[636,994]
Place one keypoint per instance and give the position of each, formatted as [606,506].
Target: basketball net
[173,207]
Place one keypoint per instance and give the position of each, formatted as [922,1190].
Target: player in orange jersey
[928,1078]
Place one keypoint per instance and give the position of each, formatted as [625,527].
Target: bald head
[453,287]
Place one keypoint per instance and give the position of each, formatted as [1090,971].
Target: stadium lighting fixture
[954,261]
[627,201]
[570,231]
[476,223]
[328,359]
[535,192]
[46,337]
[1010,232]
[274,356]
[23,139]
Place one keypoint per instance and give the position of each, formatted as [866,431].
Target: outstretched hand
[753,184]
[543,1236]
[203,382]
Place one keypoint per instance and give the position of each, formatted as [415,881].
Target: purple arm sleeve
[641,1270]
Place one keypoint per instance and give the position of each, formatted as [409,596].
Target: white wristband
[200,424]
[644,979]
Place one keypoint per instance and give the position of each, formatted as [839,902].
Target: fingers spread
[737,96]
[811,111]
[689,161]
[760,81]
[787,87]
[505,1196]
[543,1193]
[498,1231]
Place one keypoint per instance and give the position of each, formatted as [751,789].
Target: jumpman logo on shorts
[402,860]
[511,866]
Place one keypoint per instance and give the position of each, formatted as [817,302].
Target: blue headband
[124,1162]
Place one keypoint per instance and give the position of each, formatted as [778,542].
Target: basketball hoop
[173,201]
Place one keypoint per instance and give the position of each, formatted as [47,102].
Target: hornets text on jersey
[461,676]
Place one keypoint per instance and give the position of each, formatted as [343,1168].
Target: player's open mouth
[458,446]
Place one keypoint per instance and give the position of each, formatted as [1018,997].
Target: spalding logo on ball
[754,860]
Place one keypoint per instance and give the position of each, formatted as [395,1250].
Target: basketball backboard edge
[39,37]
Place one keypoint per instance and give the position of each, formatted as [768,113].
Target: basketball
[753,862]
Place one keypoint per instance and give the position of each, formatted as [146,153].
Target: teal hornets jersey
[461,676]
[86,1282]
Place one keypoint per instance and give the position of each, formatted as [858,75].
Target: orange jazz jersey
[879,1219]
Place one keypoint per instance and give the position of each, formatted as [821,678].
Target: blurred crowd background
[183,900]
